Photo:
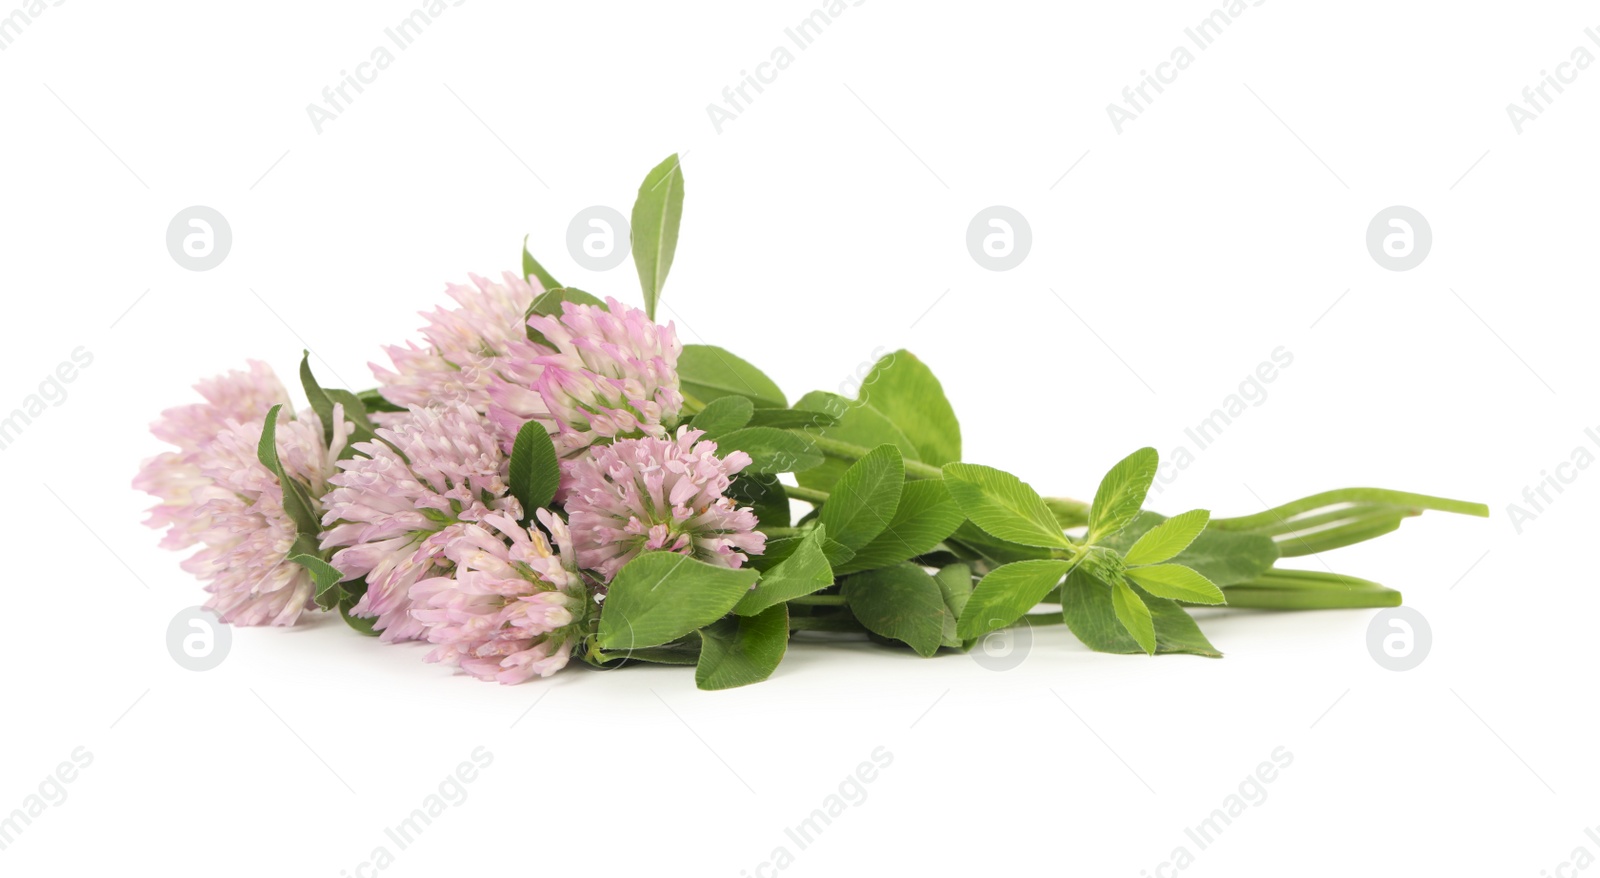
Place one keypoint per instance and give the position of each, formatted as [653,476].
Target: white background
[824,225]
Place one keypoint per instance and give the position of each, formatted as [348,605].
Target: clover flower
[466,348]
[393,512]
[651,494]
[245,534]
[509,612]
[174,477]
[613,375]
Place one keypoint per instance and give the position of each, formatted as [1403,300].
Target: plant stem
[915,469]
[819,600]
[809,495]
[1253,598]
[1309,590]
[1400,499]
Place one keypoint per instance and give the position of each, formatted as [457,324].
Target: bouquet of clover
[550,476]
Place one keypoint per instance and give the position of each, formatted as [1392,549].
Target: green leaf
[741,650]
[532,269]
[1003,505]
[780,548]
[926,516]
[326,577]
[857,423]
[657,213]
[267,447]
[865,497]
[804,571]
[955,585]
[1068,513]
[976,543]
[763,493]
[361,624]
[535,471]
[1168,538]
[1220,556]
[790,419]
[1178,583]
[901,603]
[1122,493]
[296,504]
[374,401]
[723,415]
[1134,616]
[1006,593]
[1086,607]
[905,390]
[322,403]
[661,596]
[549,304]
[683,651]
[708,373]
[771,450]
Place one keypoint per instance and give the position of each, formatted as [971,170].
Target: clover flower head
[174,477]
[466,348]
[650,494]
[393,512]
[245,533]
[513,608]
[613,375]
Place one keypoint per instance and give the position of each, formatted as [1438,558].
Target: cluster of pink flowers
[420,520]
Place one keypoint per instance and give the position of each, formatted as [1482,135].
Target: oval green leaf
[707,373]
[902,603]
[1003,505]
[1006,593]
[661,596]
[1168,538]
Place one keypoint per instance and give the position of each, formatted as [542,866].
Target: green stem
[1346,534]
[1309,590]
[809,495]
[1311,521]
[1295,599]
[781,532]
[1278,515]
[1070,512]
[915,469]
[819,600]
